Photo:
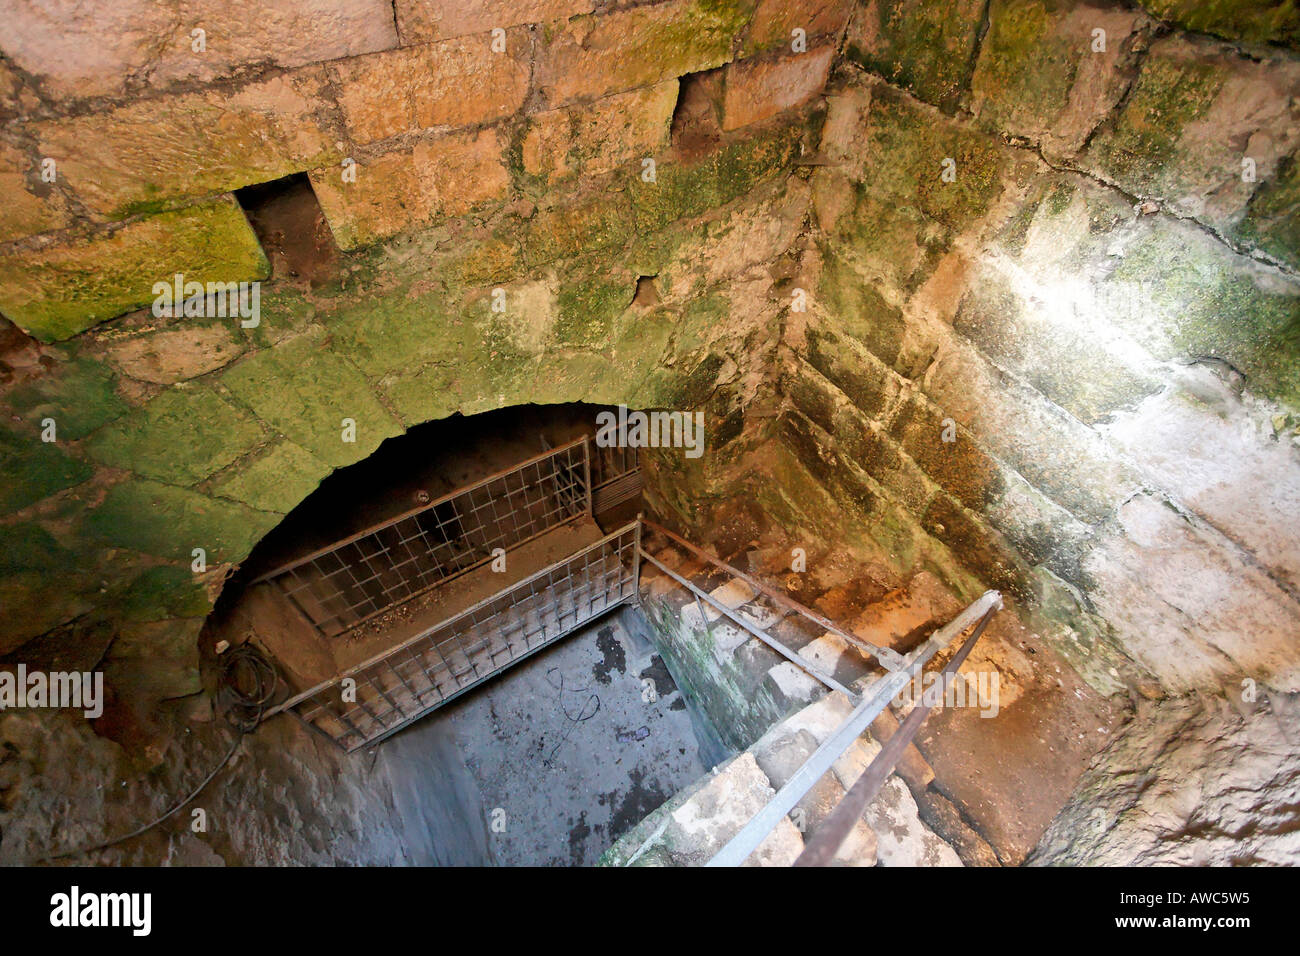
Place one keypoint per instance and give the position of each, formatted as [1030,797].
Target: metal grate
[348,583]
[369,702]
[615,477]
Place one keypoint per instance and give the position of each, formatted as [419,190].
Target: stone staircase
[776,715]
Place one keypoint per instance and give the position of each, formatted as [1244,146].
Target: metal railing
[347,583]
[367,703]
[874,700]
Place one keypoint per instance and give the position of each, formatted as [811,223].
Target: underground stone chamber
[969,297]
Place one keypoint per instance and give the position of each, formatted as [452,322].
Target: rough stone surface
[84,49]
[61,288]
[136,157]
[923,47]
[422,20]
[600,136]
[458,82]
[756,90]
[1193,781]
[412,187]
[596,56]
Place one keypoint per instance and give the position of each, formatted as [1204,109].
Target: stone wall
[1052,335]
[465,157]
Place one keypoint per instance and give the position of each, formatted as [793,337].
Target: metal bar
[636,562]
[889,659]
[586,472]
[758,632]
[832,832]
[448,622]
[876,699]
[473,486]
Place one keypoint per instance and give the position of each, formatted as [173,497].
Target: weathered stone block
[924,47]
[598,55]
[1186,606]
[80,395]
[1272,220]
[27,211]
[570,229]
[137,157]
[1199,124]
[458,82]
[170,522]
[682,190]
[758,89]
[276,480]
[59,289]
[600,136]
[1039,74]
[181,437]
[306,393]
[422,20]
[1186,296]
[1255,21]
[1046,343]
[185,348]
[411,187]
[81,49]
[775,21]
[33,469]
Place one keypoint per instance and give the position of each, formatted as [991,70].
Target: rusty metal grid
[416,677]
[352,581]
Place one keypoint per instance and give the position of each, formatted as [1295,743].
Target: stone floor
[573,747]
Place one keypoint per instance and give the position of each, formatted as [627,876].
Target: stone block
[306,393]
[30,207]
[68,285]
[423,20]
[924,47]
[590,57]
[600,136]
[756,90]
[457,82]
[80,49]
[412,187]
[775,21]
[136,158]
[1040,76]
[181,437]
[1195,115]
[276,480]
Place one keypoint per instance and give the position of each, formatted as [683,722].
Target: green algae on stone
[684,190]
[79,394]
[858,309]
[1200,301]
[55,291]
[1272,220]
[170,522]
[1252,21]
[306,392]
[1141,150]
[1025,70]
[588,305]
[181,437]
[925,47]
[165,591]
[276,480]
[31,469]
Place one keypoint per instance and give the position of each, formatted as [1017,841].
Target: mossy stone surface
[61,289]
[306,392]
[31,469]
[170,522]
[181,437]
[277,479]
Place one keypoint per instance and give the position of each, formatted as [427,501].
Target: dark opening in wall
[291,228]
[647,293]
[696,125]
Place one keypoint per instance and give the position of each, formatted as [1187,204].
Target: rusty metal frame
[341,586]
[369,702]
